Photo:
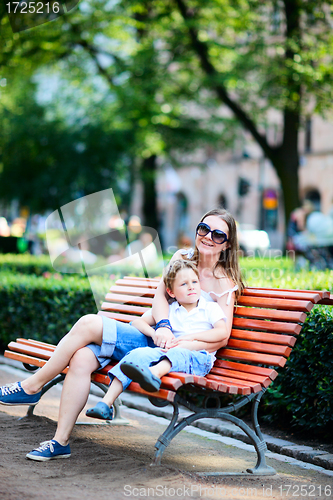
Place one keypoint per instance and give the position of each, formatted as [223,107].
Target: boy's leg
[141,357]
[115,389]
[161,368]
[137,366]
[186,361]
[103,409]
[119,381]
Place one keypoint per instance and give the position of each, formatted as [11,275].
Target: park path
[113,462]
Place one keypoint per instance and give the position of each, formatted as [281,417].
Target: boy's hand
[163,337]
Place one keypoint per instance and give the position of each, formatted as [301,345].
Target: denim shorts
[118,339]
[182,360]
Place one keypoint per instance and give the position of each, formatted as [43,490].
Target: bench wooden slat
[265,381]
[241,384]
[272,326]
[33,343]
[126,318]
[30,360]
[30,350]
[259,347]
[264,359]
[124,308]
[323,293]
[161,394]
[273,303]
[242,367]
[252,312]
[128,299]
[279,339]
[282,294]
[218,385]
[187,378]
[137,283]
[137,291]
[139,278]
[328,301]
[171,383]
[229,386]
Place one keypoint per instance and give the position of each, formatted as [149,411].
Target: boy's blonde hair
[173,269]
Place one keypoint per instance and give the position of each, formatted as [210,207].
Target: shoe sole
[134,373]
[95,414]
[18,404]
[45,459]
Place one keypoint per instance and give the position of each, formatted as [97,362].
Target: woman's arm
[220,286]
[198,345]
[218,335]
[160,310]
[160,307]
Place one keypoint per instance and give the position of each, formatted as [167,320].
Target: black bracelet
[164,323]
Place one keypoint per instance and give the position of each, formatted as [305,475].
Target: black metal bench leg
[261,468]
[254,414]
[165,438]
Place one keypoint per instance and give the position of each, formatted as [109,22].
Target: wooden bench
[265,328]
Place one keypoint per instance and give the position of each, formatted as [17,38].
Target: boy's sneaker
[14,394]
[49,450]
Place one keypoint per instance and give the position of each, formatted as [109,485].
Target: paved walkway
[194,451]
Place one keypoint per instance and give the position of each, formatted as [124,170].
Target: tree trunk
[149,206]
[287,170]
[284,158]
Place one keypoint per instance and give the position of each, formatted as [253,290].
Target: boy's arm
[144,325]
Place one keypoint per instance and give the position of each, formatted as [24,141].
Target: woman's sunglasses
[218,236]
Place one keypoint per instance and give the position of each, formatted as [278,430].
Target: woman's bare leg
[75,392]
[88,329]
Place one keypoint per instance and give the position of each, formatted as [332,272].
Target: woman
[93,339]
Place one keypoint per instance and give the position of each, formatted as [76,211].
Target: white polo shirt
[201,318]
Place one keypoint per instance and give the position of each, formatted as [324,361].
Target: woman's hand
[163,337]
[191,345]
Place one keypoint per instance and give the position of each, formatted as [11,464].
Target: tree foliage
[46,161]
[184,73]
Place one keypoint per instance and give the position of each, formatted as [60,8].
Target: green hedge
[39,308]
[41,265]
[26,264]
[302,395]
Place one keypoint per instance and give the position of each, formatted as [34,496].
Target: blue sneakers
[49,450]
[14,394]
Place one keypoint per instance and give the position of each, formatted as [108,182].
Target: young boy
[199,327]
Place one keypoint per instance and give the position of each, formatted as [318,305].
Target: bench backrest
[265,327]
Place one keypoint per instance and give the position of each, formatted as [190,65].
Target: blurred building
[243,182]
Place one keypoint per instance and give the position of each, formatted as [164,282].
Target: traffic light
[243,186]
